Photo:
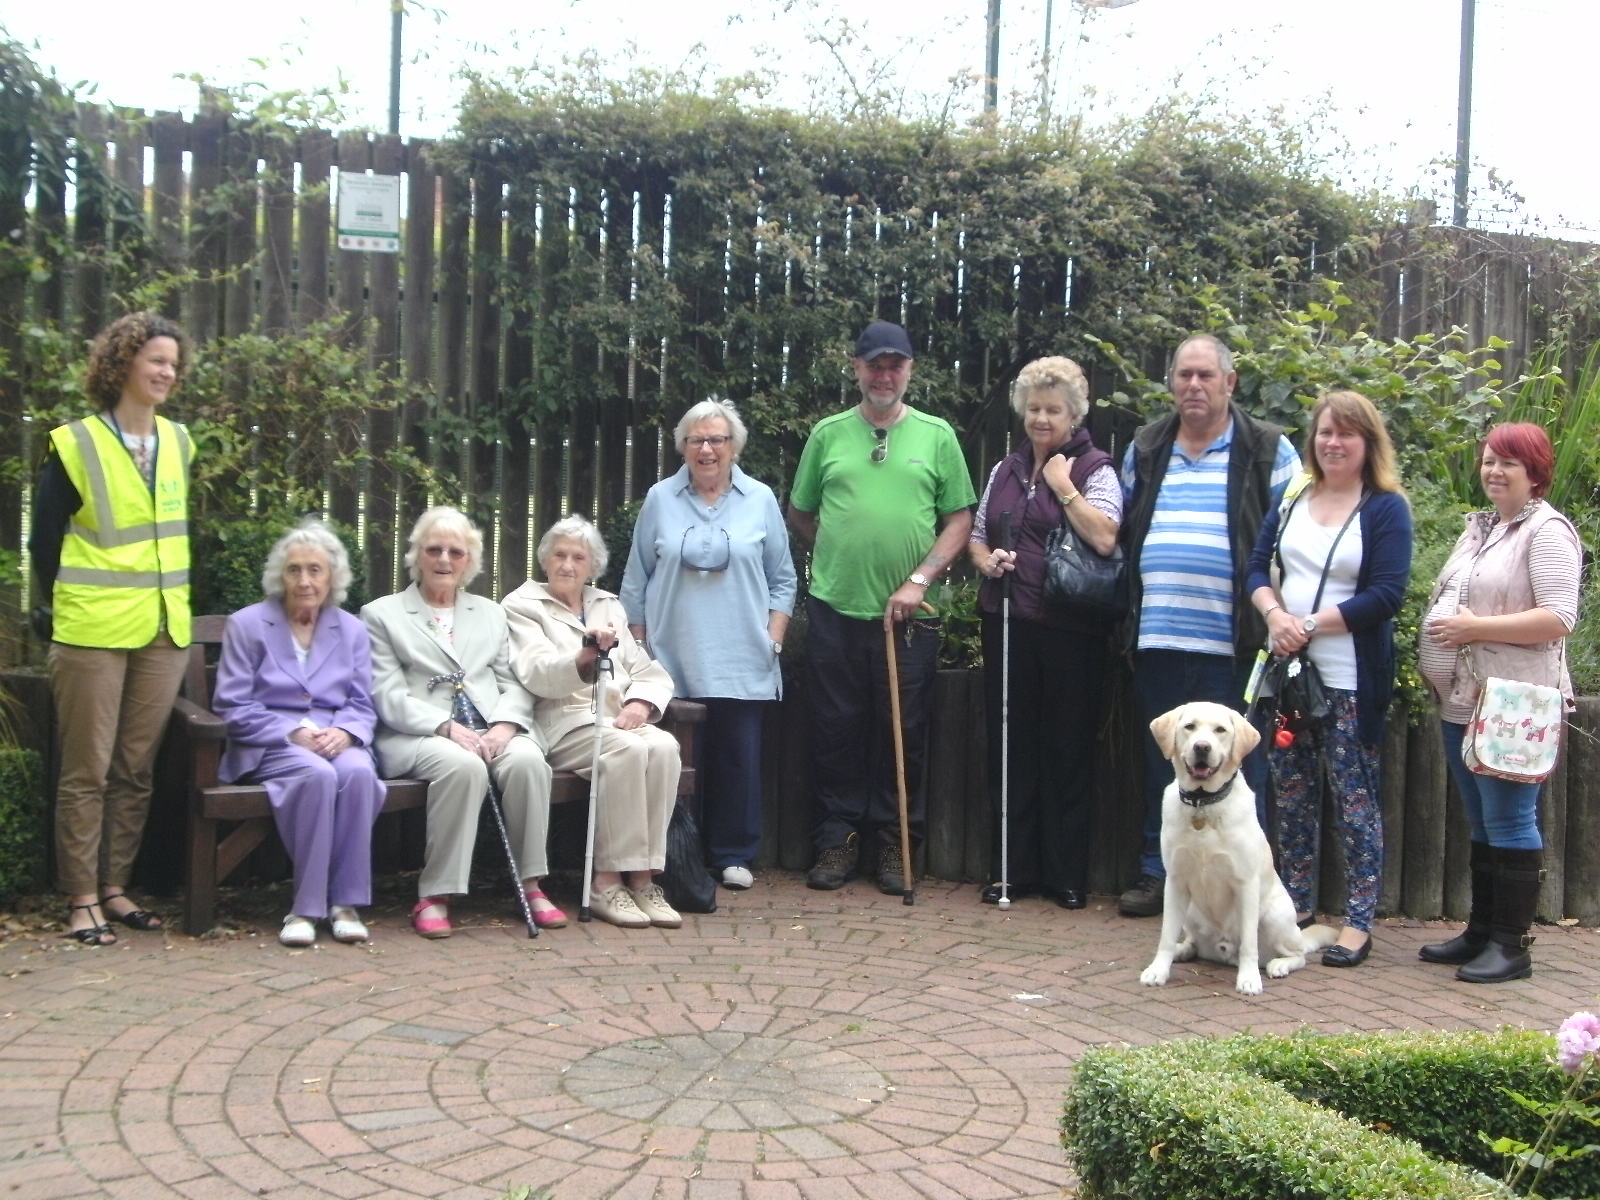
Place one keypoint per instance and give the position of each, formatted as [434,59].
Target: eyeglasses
[454,552]
[715,440]
[881,450]
[706,548]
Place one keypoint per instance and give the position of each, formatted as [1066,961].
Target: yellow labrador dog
[1223,900]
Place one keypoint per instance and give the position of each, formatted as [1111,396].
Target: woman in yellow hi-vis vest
[110,547]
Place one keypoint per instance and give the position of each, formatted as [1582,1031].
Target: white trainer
[298,932]
[737,878]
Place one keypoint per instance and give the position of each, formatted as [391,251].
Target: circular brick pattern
[726,1081]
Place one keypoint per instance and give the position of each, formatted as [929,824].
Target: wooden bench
[227,821]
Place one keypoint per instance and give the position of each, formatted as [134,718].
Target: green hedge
[1363,1116]
[22,823]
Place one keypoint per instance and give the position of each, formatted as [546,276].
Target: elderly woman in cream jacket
[454,714]
[550,623]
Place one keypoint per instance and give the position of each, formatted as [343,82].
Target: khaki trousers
[111,709]
[638,788]
[458,781]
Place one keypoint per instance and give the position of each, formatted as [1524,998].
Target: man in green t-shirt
[883,497]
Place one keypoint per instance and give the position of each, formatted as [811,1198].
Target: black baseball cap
[883,337]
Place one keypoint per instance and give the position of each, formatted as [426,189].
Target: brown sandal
[94,935]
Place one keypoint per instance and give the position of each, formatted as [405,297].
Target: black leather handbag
[1078,582]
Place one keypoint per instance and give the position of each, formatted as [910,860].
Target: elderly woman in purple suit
[294,685]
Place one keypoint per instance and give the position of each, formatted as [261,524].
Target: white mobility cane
[464,712]
[602,668]
[1005,718]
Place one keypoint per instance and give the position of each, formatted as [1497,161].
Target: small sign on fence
[369,212]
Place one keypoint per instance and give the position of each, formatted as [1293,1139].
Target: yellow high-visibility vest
[125,558]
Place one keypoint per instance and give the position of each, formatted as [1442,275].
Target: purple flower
[1578,1039]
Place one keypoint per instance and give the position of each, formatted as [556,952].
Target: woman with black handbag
[1058,658]
[1342,546]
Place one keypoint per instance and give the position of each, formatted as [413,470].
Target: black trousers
[852,738]
[1057,704]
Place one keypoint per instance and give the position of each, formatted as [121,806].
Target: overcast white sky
[1381,74]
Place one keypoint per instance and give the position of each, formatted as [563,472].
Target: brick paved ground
[795,1044]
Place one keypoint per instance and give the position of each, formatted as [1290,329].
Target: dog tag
[1198,822]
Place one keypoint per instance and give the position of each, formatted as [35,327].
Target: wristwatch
[920,580]
[1309,626]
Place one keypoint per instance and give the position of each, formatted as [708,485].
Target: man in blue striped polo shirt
[1198,483]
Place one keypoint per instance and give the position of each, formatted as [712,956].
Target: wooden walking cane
[910,893]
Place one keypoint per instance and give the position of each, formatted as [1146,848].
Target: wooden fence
[244,222]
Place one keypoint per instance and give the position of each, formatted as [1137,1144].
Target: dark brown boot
[1469,943]
[1516,900]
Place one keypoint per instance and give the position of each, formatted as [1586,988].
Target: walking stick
[910,893]
[602,668]
[1005,718]
[511,857]
[464,712]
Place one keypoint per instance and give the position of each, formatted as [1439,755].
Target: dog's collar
[1199,799]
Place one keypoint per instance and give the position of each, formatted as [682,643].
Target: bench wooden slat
[228,821]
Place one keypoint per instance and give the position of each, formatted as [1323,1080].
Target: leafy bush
[22,821]
[230,551]
[1351,1116]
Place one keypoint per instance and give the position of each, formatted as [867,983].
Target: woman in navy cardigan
[1352,524]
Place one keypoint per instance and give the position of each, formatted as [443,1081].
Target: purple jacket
[1032,519]
[263,693]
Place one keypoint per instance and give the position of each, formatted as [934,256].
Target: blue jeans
[1162,680]
[1501,813]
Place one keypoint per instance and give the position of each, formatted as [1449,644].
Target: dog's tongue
[1202,772]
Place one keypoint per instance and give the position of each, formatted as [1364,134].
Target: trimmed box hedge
[1352,1116]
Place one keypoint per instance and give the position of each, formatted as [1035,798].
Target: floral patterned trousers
[1336,758]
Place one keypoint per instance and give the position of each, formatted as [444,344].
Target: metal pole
[397,10]
[991,71]
[1464,114]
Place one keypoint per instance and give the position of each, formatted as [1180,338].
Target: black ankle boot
[1516,900]
[1498,963]
[1469,943]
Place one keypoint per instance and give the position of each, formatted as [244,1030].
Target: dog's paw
[1155,975]
[1277,968]
[1185,951]
[1249,982]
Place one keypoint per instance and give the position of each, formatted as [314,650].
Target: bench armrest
[199,724]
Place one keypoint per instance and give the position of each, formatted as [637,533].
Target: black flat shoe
[1341,956]
[991,892]
[137,918]
[1069,897]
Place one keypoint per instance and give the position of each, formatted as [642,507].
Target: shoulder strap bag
[1515,731]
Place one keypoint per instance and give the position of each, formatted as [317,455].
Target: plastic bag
[687,883]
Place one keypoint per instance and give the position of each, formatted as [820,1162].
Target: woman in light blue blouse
[709,587]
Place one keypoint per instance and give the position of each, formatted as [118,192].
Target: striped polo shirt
[1185,565]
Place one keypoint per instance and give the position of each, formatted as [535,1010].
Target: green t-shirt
[876,521]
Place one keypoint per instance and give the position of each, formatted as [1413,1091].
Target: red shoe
[545,918]
[431,927]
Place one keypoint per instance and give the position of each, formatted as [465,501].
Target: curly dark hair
[113,352]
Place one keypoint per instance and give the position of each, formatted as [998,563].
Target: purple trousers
[324,810]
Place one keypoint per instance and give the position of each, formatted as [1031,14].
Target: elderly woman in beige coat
[453,713]
[639,765]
